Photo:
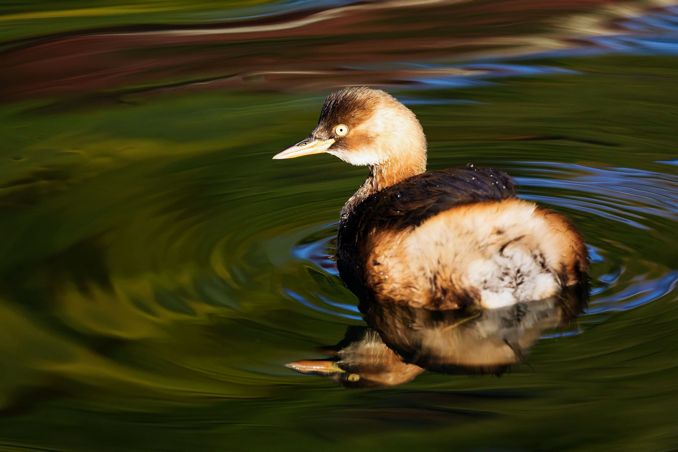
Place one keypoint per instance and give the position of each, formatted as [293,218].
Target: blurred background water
[157,269]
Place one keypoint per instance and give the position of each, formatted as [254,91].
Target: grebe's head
[364,126]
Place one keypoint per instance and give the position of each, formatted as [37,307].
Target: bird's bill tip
[305,147]
[317,367]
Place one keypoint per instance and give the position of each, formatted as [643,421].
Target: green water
[158,269]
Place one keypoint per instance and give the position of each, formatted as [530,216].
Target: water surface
[158,270]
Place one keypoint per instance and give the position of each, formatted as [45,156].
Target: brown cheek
[356,142]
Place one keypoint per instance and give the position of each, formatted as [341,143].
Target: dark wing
[418,198]
[408,204]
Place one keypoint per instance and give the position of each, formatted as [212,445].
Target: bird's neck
[383,176]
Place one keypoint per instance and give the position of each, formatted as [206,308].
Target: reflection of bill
[401,342]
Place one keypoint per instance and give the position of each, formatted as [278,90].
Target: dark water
[157,269]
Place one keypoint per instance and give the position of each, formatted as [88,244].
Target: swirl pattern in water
[620,197]
[158,270]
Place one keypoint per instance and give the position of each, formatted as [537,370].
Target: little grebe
[437,240]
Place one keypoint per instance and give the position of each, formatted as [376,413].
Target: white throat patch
[360,157]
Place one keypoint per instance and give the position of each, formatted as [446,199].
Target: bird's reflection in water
[401,342]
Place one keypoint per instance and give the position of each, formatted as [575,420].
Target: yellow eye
[353,378]
[341,130]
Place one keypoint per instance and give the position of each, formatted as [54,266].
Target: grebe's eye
[341,130]
[353,378]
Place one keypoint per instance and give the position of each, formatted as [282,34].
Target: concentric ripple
[599,200]
[158,269]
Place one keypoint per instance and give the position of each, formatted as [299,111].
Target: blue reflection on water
[480,74]
[345,306]
[594,254]
[619,194]
[651,34]
[585,205]
[638,294]
[306,302]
